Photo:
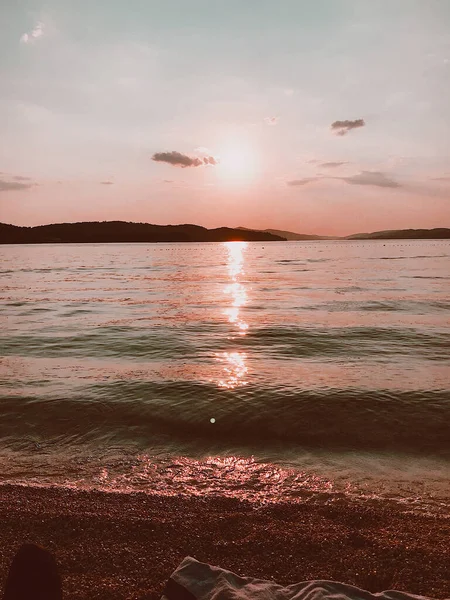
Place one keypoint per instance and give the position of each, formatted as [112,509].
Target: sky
[314,116]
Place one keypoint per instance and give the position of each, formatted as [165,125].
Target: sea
[311,371]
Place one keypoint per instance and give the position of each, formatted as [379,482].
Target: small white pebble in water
[212,420]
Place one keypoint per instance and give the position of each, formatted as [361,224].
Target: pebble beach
[117,545]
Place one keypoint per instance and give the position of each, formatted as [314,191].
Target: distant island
[291,236]
[122,231]
[441,233]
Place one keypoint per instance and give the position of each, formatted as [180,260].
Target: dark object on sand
[33,575]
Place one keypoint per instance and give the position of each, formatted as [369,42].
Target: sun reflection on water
[235,369]
[231,476]
[235,362]
[235,258]
[235,289]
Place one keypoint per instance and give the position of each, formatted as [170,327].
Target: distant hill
[392,234]
[121,231]
[291,236]
[441,233]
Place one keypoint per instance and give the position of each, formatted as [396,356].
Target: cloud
[21,178]
[332,165]
[183,160]
[271,120]
[370,178]
[107,182]
[210,160]
[35,33]
[304,181]
[343,127]
[7,186]
[445,178]
[363,178]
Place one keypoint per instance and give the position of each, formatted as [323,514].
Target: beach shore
[111,545]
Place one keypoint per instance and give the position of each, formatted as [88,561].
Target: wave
[127,342]
[409,306]
[250,417]
[407,257]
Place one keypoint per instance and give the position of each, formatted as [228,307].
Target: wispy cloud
[303,181]
[21,178]
[8,186]
[271,120]
[363,178]
[177,159]
[333,165]
[34,34]
[444,178]
[370,178]
[107,182]
[343,127]
[210,160]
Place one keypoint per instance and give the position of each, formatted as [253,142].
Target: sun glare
[238,163]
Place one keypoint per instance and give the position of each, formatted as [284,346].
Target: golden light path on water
[256,481]
[235,362]
[230,476]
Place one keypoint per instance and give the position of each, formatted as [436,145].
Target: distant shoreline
[125,232]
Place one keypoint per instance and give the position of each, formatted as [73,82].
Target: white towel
[193,580]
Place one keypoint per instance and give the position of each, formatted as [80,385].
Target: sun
[238,162]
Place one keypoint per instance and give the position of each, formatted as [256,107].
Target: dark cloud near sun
[343,127]
[370,178]
[177,159]
[333,165]
[8,186]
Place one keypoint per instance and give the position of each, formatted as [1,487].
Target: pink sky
[316,125]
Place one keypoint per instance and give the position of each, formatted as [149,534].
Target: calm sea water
[263,370]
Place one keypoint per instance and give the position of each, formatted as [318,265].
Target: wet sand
[126,545]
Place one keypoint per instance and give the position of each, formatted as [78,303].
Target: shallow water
[264,370]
